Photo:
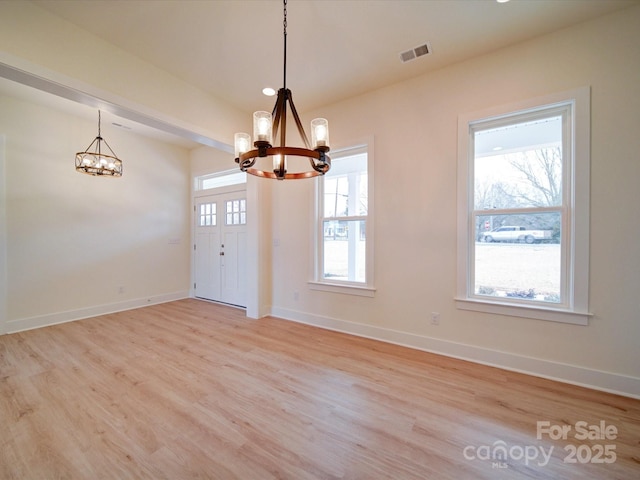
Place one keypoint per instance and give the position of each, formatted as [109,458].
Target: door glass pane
[236,212]
[207,215]
[518,256]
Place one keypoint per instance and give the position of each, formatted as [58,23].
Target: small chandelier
[96,162]
[266,126]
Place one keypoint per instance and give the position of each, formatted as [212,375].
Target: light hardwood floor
[191,389]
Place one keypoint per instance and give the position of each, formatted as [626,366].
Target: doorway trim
[253,302]
[3,239]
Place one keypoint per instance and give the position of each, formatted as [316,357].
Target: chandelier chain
[284,24]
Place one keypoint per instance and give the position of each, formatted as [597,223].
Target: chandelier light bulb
[242,143]
[262,127]
[277,162]
[319,133]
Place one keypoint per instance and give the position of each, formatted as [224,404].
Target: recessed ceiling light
[268,91]
[502,1]
[496,149]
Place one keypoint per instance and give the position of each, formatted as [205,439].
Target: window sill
[360,291]
[524,311]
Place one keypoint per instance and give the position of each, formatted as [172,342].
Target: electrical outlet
[435,318]
[121,290]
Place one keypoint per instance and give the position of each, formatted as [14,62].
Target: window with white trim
[344,228]
[219,179]
[523,216]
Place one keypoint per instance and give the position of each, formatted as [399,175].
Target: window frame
[221,179]
[575,210]
[365,288]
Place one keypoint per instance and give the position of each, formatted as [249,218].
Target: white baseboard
[30,323]
[585,377]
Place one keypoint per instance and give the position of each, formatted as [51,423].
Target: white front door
[220,248]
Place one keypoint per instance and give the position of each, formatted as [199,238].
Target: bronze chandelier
[266,126]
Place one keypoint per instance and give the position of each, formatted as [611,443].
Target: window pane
[236,212]
[342,199]
[519,165]
[344,244]
[363,194]
[518,256]
[336,195]
[221,180]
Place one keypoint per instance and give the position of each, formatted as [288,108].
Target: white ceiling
[336,48]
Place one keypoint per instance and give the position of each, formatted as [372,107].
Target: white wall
[415,130]
[73,240]
[205,160]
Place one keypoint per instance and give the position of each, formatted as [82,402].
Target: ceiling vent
[416,52]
